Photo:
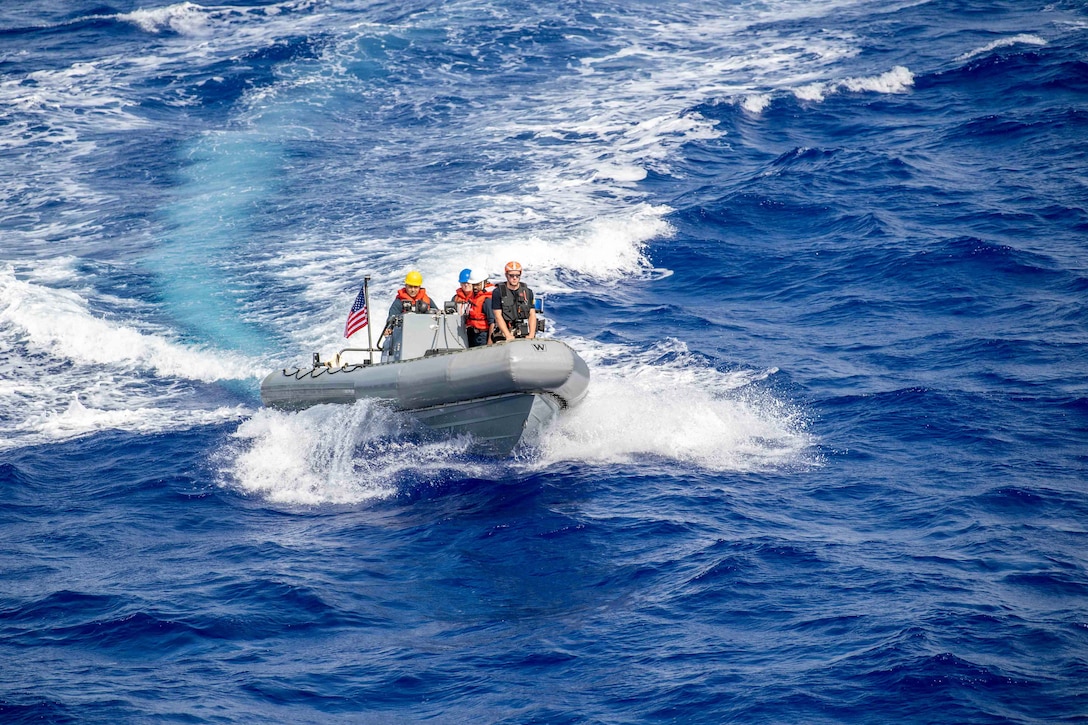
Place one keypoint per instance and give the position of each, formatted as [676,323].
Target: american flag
[357,318]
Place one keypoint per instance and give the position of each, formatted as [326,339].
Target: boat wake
[75,362]
[663,404]
[341,454]
[667,404]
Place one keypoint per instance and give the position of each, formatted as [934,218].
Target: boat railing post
[370,314]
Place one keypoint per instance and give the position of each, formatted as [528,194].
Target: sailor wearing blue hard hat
[464,291]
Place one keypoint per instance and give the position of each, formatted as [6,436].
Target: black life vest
[516,304]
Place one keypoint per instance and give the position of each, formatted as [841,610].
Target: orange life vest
[476,318]
[402,294]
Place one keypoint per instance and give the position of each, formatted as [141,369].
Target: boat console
[418,335]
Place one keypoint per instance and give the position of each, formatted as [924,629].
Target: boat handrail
[339,359]
[359,349]
[337,362]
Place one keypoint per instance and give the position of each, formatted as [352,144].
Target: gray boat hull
[496,424]
[497,394]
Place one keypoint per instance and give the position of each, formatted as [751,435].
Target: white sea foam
[201,21]
[54,118]
[337,454]
[898,80]
[74,371]
[307,457]
[661,404]
[570,207]
[756,102]
[185,18]
[678,410]
[57,322]
[578,146]
[1021,39]
[49,107]
[77,419]
[44,400]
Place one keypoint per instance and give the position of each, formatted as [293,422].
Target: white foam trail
[78,419]
[73,372]
[1021,39]
[563,206]
[57,322]
[566,201]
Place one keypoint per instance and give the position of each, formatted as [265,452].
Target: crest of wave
[898,80]
[667,404]
[191,19]
[68,372]
[605,248]
[58,322]
[1020,39]
[128,411]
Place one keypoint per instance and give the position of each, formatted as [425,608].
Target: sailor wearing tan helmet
[512,301]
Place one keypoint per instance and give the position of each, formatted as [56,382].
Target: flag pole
[369,312]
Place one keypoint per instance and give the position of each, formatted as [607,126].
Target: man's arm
[532,322]
[394,310]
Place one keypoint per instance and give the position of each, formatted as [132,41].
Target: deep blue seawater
[828,262]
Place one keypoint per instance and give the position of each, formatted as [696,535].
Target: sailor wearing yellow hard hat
[411,297]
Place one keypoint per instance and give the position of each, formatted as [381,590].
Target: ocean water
[827,261]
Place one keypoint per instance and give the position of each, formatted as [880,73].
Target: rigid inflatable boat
[498,394]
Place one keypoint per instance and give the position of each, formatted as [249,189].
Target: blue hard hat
[466,275]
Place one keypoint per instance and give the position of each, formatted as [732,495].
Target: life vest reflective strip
[402,294]
[515,304]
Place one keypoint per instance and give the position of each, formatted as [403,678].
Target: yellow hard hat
[414,279]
